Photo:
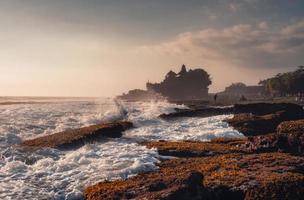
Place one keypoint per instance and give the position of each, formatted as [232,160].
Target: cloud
[243,45]
[263,25]
[234,7]
[213,17]
[294,29]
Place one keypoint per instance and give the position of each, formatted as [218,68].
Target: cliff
[185,85]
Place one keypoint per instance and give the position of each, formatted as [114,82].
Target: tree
[235,87]
[285,83]
[171,75]
[192,84]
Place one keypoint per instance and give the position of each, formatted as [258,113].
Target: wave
[57,174]
[64,174]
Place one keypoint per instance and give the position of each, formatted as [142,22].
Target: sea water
[63,174]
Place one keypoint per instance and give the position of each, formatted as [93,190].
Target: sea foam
[56,174]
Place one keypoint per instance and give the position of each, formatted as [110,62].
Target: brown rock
[251,125]
[201,112]
[293,111]
[76,137]
[163,184]
[268,108]
[281,186]
[291,127]
[291,135]
[229,176]
[263,143]
[249,169]
[197,149]
[289,138]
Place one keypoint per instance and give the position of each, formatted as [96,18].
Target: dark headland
[191,87]
[185,85]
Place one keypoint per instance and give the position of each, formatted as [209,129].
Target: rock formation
[268,164]
[77,137]
[192,84]
[246,111]
[185,85]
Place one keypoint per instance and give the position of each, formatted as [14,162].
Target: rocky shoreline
[267,164]
[77,137]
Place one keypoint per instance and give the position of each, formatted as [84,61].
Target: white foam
[201,129]
[66,176]
[146,113]
[55,174]
[26,121]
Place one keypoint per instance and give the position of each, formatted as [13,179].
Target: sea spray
[55,174]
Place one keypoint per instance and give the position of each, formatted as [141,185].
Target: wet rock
[282,186]
[234,176]
[263,143]
[291,135]
[266,165]
[77,137]
[202,112]
[157,186]
[293,111]
[251,125]
[163,184]
[197,149]
[268,108]
[289,138]
[248,172]
[291,127]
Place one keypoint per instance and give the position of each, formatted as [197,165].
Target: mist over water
[58,174]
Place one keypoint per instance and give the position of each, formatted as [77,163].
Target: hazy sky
[106,47]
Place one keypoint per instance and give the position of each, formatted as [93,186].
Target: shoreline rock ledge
[266,165]
[77,137]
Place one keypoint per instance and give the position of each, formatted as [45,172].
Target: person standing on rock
[215,97]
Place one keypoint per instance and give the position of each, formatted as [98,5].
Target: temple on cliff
[185,85]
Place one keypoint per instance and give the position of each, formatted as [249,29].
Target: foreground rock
[251,125]
[269,164]
[229,176]
[198,149]
[292,133]
[76,137]
[288,138]
[259,122]
[167,183]
[217,170]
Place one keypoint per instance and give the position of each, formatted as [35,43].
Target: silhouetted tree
[235,87]
[192,84]
[285,83]
[171,75]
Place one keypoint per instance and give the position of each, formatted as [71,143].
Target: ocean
[63,174]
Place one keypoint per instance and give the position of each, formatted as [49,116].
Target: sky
[107,47]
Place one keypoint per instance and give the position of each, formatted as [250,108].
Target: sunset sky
[106,47]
